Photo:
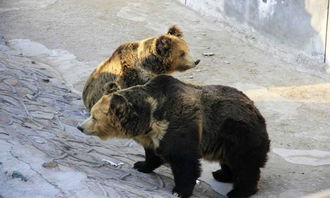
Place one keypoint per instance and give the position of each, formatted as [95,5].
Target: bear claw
[141,166]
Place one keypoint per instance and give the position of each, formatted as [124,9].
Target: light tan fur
[108,67]
[159,128]
[152,139]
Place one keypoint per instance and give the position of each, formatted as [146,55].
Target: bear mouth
[183,68]
[86,132]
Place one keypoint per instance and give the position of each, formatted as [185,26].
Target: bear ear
[110,87]
[163,45]
[120,106]
[175,31]
[124,111]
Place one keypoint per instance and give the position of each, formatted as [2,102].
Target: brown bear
[136,62]
[179,123]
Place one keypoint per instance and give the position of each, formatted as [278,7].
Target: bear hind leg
[185,172]
[224,174]
[245,182]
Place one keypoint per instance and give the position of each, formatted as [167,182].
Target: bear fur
[134,63]
[179,123]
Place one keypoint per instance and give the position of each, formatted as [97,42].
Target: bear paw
[142,166]
[183,193]
[222,176]
[236,193]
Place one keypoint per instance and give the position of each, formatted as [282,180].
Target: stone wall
[298,24]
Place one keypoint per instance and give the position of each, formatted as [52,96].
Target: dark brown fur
[180,123]
[135,63]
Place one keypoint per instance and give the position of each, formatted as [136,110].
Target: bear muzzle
[86,132]
[80,128]
[193,64]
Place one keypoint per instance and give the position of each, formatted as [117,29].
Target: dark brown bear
[179,123]
[136,62]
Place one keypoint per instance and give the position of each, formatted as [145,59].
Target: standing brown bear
[179,123]
[137,62]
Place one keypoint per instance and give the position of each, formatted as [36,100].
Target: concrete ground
[72,36]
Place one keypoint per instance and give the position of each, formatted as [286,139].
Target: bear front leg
[185,171]
[151,163]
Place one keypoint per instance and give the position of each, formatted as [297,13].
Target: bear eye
[93,118]
[182,54]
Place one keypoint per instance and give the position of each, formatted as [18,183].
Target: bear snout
[197,61]
[80,128]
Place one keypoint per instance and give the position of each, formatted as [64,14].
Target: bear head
[170,53]
[114,115]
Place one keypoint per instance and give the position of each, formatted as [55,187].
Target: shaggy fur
[136,62]
[179,123]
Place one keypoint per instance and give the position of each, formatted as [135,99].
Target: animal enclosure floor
[50,47]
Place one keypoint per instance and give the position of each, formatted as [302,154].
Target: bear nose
[80,128]
[197,61]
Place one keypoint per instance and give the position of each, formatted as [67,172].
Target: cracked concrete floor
[77,35]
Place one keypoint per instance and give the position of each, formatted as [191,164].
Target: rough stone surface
[44,155]
[64,40]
